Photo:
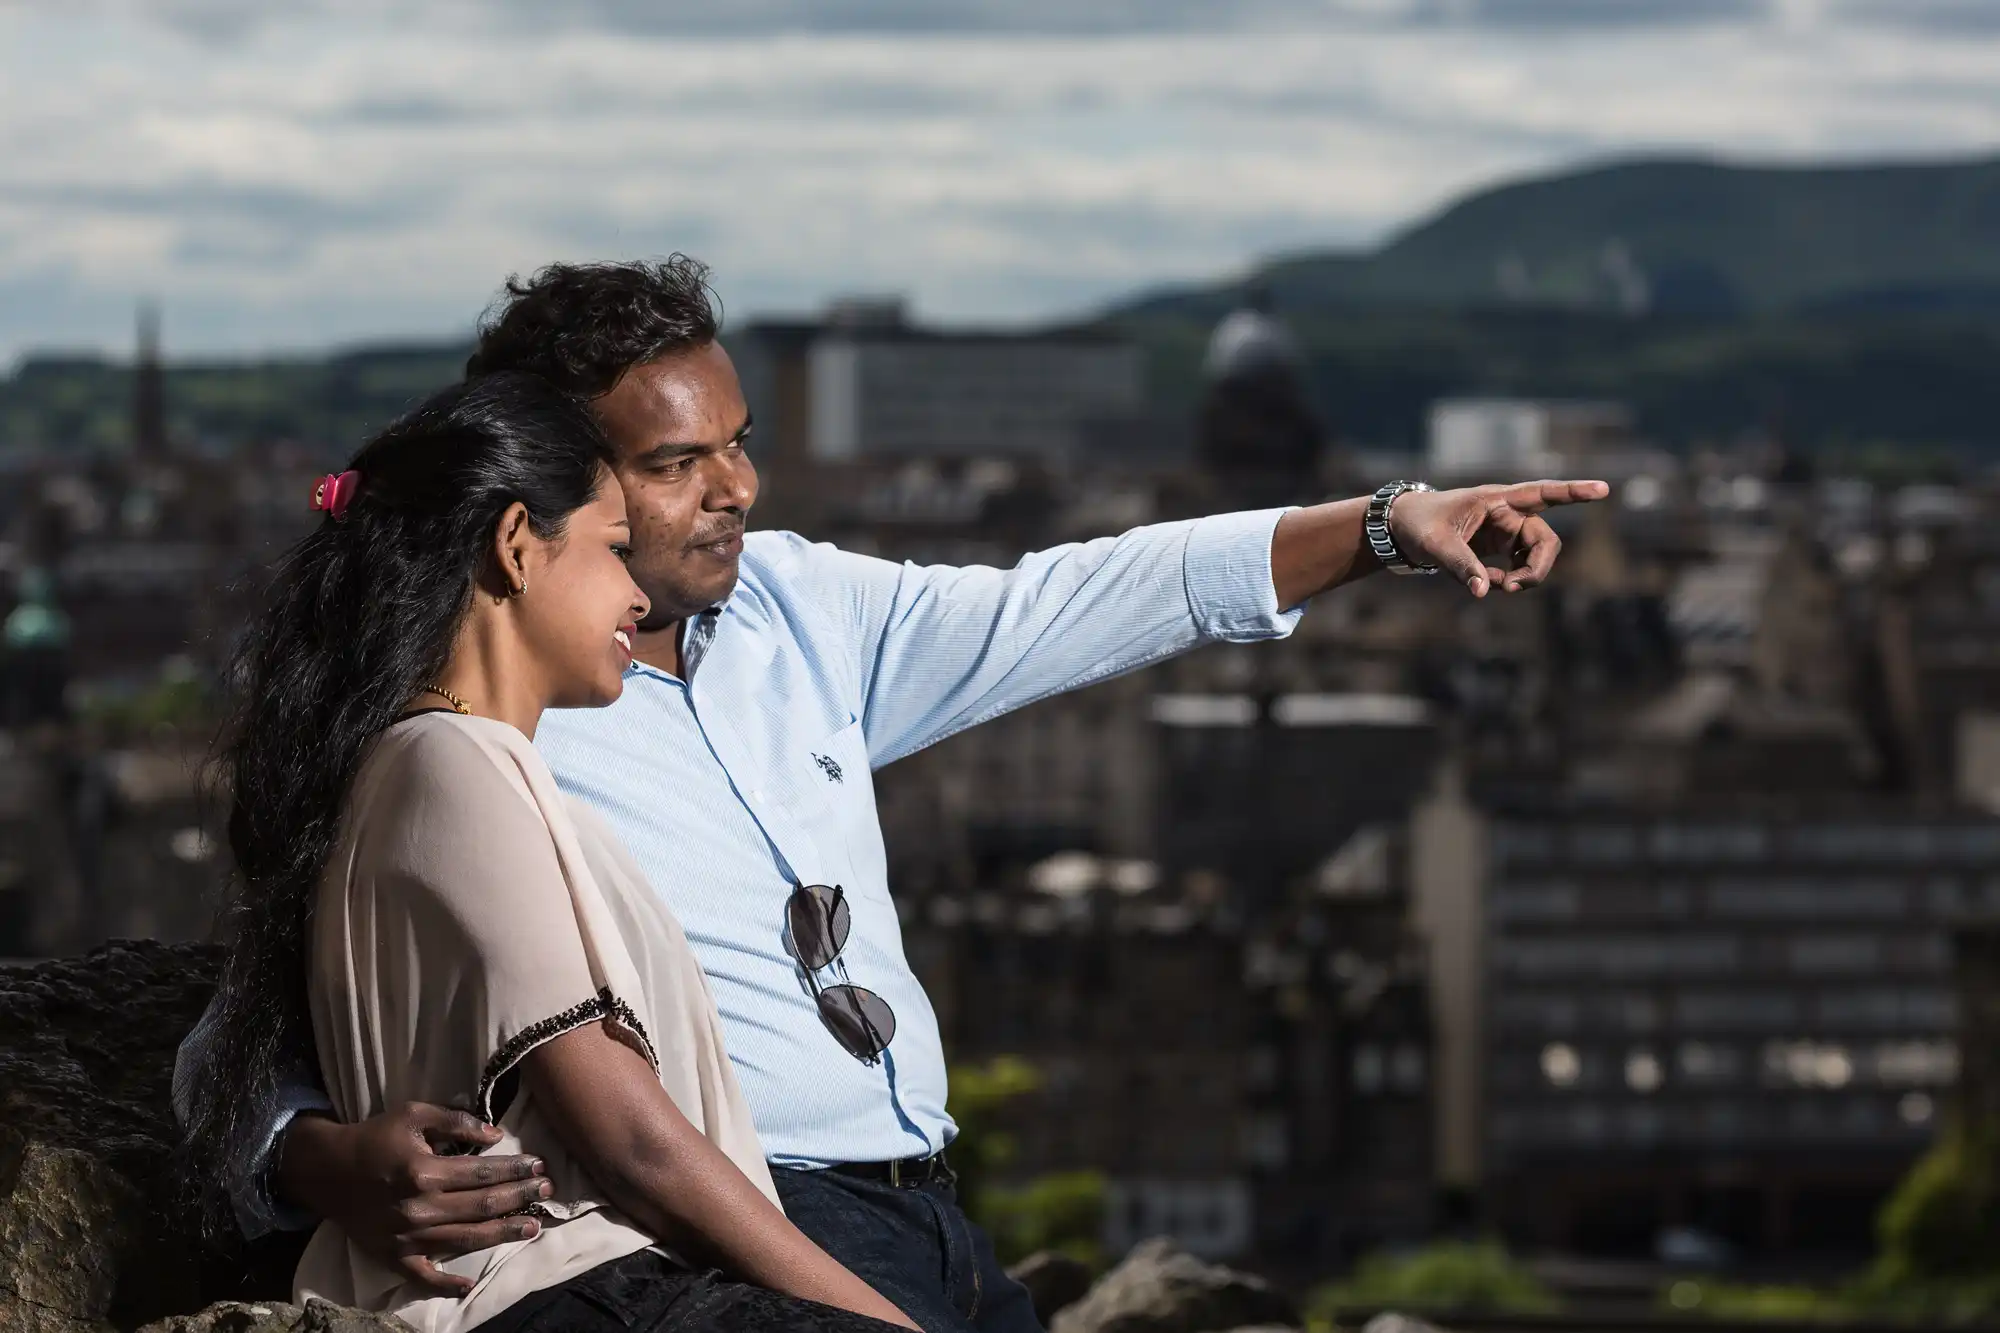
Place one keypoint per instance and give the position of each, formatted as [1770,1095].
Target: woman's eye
[622,551]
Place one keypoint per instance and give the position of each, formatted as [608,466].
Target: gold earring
[521,591]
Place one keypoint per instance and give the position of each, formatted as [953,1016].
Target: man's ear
[512,538]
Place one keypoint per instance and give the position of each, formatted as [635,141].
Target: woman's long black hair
[360,615]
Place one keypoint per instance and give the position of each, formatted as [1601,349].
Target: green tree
[1064,1211]
[1940,1234]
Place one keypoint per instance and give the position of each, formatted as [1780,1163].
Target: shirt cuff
[1230,591]
[258,1210]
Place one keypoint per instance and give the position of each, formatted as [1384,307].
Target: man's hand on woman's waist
[398,1185]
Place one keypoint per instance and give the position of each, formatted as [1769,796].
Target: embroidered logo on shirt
[829,767]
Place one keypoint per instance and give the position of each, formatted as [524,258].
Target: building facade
[1723,1019]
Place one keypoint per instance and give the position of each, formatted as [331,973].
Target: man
[772,677]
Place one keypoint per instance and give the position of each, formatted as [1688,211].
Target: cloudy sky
[323,171]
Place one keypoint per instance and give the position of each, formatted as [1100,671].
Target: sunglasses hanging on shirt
[859,1019]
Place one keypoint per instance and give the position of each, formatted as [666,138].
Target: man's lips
[726,546]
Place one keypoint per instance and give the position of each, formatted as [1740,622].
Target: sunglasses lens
[819,920]
[860,1020]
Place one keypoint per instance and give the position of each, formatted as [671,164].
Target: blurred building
[1246,1088]
[1257,433]
[1475,440]
[864,383]
[1734,1020]
[1976,973]
[34,654]
[130,572]
[1258,793]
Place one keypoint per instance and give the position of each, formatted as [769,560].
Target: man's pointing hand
[1487,536]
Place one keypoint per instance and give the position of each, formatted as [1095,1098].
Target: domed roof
[1249,342]
[36,622]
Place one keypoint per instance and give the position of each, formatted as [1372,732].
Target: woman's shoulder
[451,804]
[446,759]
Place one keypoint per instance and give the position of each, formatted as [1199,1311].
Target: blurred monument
[149,390]
[1257,432]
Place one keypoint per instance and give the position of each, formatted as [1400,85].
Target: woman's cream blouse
[470,912]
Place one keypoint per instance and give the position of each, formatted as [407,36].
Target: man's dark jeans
[912,1244]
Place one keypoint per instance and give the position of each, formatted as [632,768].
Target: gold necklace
[458,705]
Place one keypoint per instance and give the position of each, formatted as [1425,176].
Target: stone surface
[1054,1282]
[1391,1322]
[93,1233]
[278,1317]
[1161,1289]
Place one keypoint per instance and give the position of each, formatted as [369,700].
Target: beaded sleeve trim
[601,1005]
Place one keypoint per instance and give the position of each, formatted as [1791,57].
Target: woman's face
[578,614]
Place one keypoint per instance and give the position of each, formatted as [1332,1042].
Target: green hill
[329,403]
[1915,384]
[1675,237]
[1841,306]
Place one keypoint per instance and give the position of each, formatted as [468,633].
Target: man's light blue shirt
[754,775]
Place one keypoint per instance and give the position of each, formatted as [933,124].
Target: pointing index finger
[1532,497]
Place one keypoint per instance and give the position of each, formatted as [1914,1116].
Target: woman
[416,901]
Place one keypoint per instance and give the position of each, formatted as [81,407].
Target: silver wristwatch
[1376,526]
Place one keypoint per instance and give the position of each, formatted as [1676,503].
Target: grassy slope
[1709,237]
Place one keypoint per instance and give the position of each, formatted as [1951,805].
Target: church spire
[149,396]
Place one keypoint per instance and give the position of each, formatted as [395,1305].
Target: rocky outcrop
[1391,1322]
[1054,1281]
[278,1317]
[93,1236]
[1162,1289]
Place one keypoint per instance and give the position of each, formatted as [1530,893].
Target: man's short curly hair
[582,326]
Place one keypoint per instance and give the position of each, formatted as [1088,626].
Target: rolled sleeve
[257,1207]
[249,1186]
[1230,591]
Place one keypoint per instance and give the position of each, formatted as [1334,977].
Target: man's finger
[1531,497]
[429,1275]
[451,1206]
[450,1175]
[1541,546]
[443,1124]
[1454,555]
[449,1242]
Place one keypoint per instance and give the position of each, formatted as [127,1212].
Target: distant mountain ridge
[1671,237]
[1850,306]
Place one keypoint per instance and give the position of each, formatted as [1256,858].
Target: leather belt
[905,1173]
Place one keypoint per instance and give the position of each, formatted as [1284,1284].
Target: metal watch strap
[1376,527]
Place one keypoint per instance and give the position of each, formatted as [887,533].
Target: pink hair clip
[333,493]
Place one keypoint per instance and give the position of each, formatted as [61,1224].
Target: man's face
[679,425]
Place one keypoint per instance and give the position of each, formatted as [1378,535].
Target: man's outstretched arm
[383,1180]
[938,649]
[1484,536]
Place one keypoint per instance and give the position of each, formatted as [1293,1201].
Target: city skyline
[313,178]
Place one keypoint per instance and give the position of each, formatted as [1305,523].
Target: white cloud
[294,176]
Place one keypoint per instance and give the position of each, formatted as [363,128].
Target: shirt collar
[697,634]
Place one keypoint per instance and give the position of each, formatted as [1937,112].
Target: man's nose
[731,483]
